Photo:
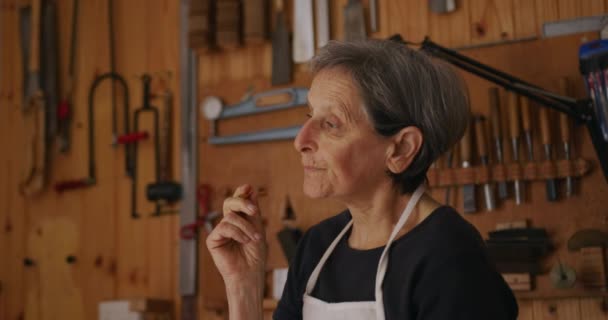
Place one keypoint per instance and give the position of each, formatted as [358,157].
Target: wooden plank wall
[118,257]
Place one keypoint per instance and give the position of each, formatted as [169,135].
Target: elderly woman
[380,114]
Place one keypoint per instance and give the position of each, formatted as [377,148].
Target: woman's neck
[374,221]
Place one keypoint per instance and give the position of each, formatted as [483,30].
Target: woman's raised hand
[238,243]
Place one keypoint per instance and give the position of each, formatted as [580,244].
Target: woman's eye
[330,125]
[309,115]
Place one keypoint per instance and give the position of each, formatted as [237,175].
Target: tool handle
[494,111]
[71,185]
[545,132]
[465,145]
[564,122]
[132,137]
[525,113]
[514,129]
[34,63]
[480,136]
[63,111]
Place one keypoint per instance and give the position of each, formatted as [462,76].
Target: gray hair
[403,87]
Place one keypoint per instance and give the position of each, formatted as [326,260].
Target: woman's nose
[305,140]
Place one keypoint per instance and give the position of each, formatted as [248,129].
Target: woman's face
[342,155]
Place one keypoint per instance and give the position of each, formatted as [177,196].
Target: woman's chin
[314,191]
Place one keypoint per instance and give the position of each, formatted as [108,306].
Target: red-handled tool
[132,137]
[204,218]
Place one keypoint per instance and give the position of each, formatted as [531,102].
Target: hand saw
[33,110]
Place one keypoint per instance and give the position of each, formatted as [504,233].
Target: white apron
[315,309]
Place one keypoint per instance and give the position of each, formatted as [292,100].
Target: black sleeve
[465,286]
[290,305]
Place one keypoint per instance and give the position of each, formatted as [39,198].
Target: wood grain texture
[118,257]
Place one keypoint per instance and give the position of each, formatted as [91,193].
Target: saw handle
[132,137]
[71,185]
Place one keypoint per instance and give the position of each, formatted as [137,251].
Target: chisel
[466,154]
[497,130]
[564,128]
[303,37]
[354,21]
[514,132]
[281,50]
[545,132]
[322,22]
[525,119]
[480,133]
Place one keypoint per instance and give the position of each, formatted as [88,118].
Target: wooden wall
[118,257]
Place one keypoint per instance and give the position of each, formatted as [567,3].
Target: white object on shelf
[279,277]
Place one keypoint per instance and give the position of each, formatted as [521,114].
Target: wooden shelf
[561,294]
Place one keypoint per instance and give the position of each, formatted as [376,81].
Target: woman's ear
[405,145]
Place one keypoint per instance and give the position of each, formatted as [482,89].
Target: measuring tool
[213,111]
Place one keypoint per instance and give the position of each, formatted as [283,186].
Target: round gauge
[562,276]
[211,107]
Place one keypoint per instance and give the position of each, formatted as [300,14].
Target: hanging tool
[228,23]
[581,110]
[290,235]
[526,125]
[91,179]
[466,157]
[354,21]
[373,15]
[442,6]
[165,191]
[297,97]
[480,133]
[564,129]
[206,216]
[545,132]
[33,111]
[64,111]
[255,25]
[495,121]
[514,133]
[49,70]
[281,48]
[146,107]
[322,22]
[303,37]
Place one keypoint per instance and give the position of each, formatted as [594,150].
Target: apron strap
[383,264]
[312,280]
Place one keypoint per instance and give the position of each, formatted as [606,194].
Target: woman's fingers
[245,226]
[237,204]
[226,231]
